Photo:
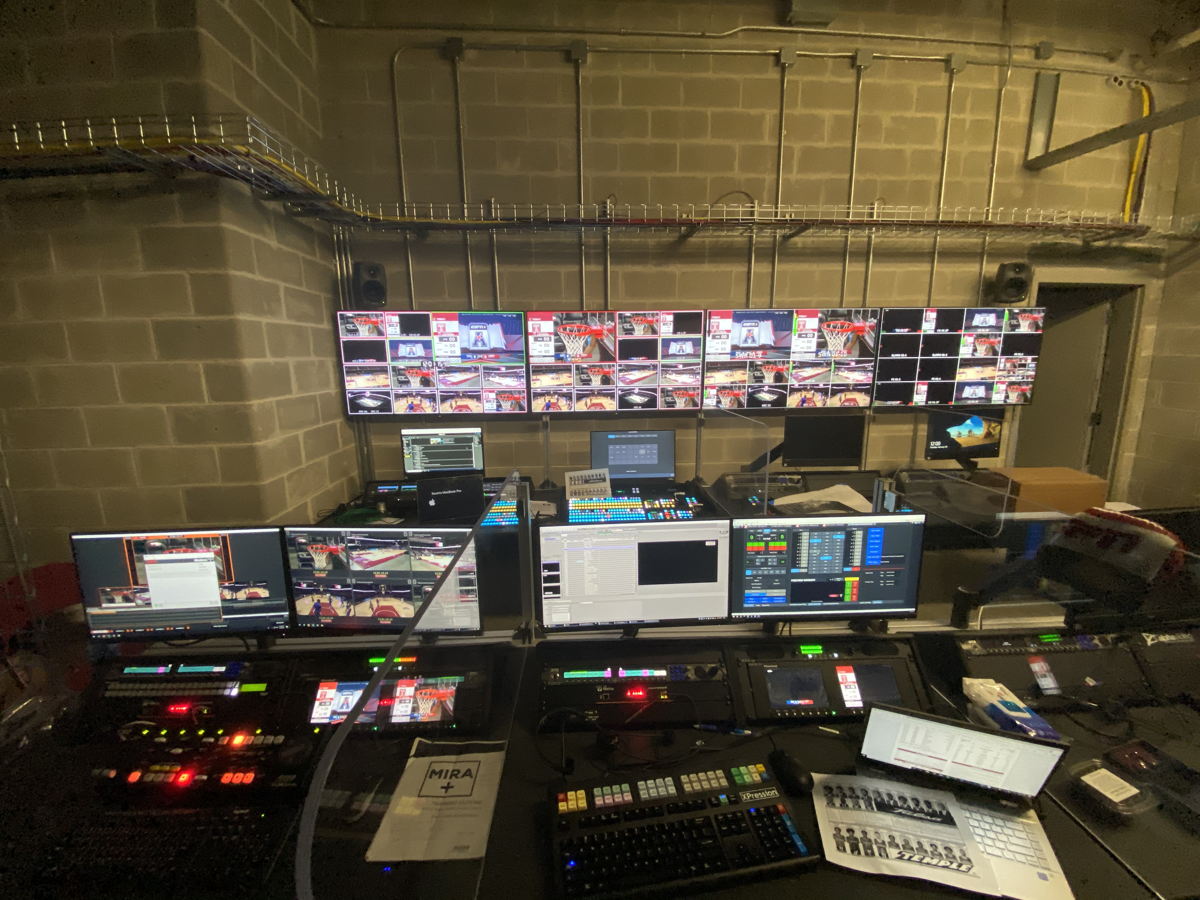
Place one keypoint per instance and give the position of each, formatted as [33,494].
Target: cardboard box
[1038,488]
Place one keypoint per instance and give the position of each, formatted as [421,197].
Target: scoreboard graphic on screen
[958,356]
[789,358]
[432,363]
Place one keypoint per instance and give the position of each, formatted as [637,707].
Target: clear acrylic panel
[733,454]
[360,767]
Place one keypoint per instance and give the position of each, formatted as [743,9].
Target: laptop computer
[995,776]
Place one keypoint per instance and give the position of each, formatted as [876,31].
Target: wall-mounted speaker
[370,284]
[1013,280]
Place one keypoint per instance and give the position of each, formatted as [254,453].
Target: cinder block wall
[694,119]
[170,357]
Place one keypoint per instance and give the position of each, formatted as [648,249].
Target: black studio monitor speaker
[1013,280]
[370,284]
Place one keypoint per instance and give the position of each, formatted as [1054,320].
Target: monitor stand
[868,626]
[629,631]
[428,639]
[264,641]
[969,466]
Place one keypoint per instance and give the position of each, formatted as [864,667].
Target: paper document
[442,807]
[891,828]
[588,483]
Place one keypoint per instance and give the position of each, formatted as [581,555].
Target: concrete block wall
[685,121]
[169,360]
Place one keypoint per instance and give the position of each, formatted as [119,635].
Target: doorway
[1079,394]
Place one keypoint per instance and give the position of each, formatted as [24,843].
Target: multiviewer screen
[442,450]
[193,583]
[634,574]
[634,454]
[1002,762]
[373,579]
[829,566]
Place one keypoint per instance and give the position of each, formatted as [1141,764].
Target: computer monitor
[643,573]
[832,567]
[824,439]
[789,358]
[373,579]
[432,363]
[632,455]
[593,361]
[958,356]
[442,450]
[143,585]
[964,435]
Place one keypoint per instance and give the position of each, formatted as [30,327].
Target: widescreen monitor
[644,573]
[953,356]
[143,585]
[432,363]
[789,358]
[437,451]
[632,455]
[601,361]
[373,579]
[824,439]
[964,435]
[831,567]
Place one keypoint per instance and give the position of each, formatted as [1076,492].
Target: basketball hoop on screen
[729,398]
[511,401]
[840,335]
[320,555]
[425,701]
[686,398]
[365,322]
[987,346]
[773,369]
[1029,321]
[1018,393]
[575,336]
[599,372]
[643,324]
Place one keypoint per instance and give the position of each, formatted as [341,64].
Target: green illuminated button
[812,649]
[253,688]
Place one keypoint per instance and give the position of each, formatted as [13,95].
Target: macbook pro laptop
[994,775]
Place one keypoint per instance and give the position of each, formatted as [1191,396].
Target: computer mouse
[794,777]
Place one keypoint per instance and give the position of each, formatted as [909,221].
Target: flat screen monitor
[951,356]
[437,451]
[143,585]
[432,363]
[789,358]
[596,362]
[644,573]
[958,750]
[373,579]
[964,435]
[824,439]
[405,701]
[630,455]
[832,567]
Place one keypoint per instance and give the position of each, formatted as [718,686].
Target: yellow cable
[1137,161]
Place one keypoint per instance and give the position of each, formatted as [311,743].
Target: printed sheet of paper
[890,828]
[588,483]
[442,808]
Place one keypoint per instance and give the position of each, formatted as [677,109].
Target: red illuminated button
[636,692]
[239,777]
[249,778]
[226,777]
[179,709]
[134,776]
[185,777]
[239,740]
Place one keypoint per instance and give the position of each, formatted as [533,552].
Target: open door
[1079,393]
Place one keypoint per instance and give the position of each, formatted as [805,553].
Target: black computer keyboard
[672,832]
[182,852]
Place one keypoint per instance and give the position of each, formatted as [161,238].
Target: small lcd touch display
[796,688]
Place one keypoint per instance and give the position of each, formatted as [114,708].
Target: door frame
[1147,287]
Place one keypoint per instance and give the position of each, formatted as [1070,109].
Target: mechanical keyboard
[671,832]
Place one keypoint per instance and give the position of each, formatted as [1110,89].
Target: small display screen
[973,435]
[864,684]
[796,687]
[429,450]
[432,363]
[789,358]
[404,701]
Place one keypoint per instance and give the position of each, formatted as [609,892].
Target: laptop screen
[960,751]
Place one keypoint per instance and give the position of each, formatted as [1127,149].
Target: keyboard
[161,851]
[673,832]
[1006,837]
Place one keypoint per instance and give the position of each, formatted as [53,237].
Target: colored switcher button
[703,781]
[755,774]
[656,788]
[611,795]
[572,801]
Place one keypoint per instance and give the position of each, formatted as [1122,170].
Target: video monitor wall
[432,363]
[600,361]
[758,359]
[958,356]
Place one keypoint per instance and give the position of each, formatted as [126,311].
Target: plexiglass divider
[407,710]
[733,459]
